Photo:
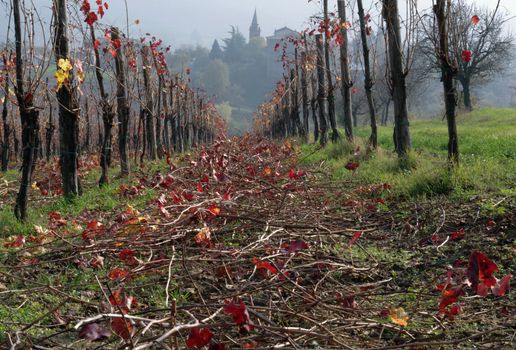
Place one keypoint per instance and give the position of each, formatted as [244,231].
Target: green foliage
[216,78]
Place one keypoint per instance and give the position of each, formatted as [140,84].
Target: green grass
[94,198]
[487,143]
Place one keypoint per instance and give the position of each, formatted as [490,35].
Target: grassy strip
[488,153]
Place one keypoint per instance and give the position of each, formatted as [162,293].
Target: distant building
[254,30]
[279,35]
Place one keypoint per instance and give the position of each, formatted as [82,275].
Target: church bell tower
[254,30]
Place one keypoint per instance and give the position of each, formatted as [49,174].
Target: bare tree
[442,10]
[68,107]
[347,83]
[479,45]
[368,79]
[398,74]
[122,106]
[6,127]
[108,114]
[330,94]
[29,120]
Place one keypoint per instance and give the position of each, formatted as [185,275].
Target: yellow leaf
[398,316]
[64,64]
[61,78]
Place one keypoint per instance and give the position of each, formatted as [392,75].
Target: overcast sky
[183,22]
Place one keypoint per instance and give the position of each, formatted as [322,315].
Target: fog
[194,22]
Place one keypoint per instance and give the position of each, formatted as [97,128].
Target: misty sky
[191,22]
[201,21]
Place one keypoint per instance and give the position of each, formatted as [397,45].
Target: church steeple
[254,30]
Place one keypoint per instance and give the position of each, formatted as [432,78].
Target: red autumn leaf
[356,237]
[296,175]
[475,20]
[127,256]
[457,235]
[214,210]
[85,7]
[119,299]
[199,188]
[203,238]
[295,246]
[94,331]
[122,327]
[101,11]
[480,273]
[260,264]
[267,171]
[96,44]
[16,242]
[449,296]
[240,314]
[198,338]
[54,216]
[91,18]
[467,55]
[116,273]
[117,44]
[451,312]
[352,166]
[502,286]
[227,196]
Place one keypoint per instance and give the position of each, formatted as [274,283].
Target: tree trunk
[122,107]
[321,97]
[159,127]
[49,132]
[331,94]
[304,96]
[6,128]
[368,80]
[347,84]
[441,9]
[294,75]
[399,88]
[149,105]
[68,109]
[29,123]
[107,117]
[466,89]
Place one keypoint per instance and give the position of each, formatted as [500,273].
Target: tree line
[456,41]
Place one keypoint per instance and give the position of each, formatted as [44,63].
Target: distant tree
[478,43]
[234,45]
[216,52]
[216,79]
[398,73]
